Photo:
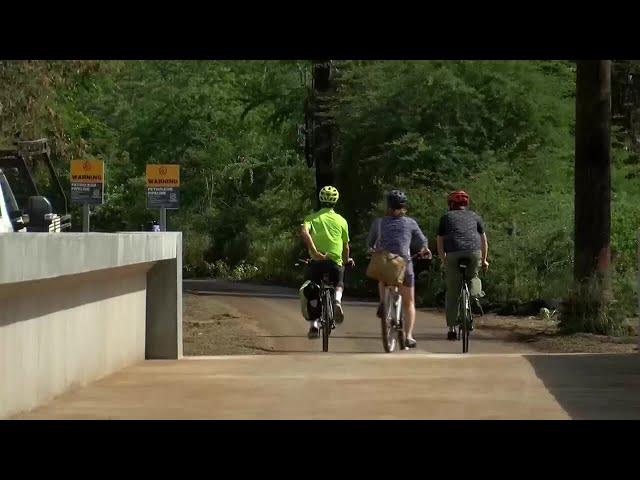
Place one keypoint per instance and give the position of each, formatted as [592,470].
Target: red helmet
[459,197]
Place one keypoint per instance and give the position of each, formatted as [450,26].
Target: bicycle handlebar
[307,261]
[302,261]
[412,257]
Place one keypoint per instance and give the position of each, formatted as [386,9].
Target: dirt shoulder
[211,327]
[543,336]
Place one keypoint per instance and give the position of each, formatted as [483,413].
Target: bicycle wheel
[388,331]
[459,316]
[327,317]
[469,323]
[466,323]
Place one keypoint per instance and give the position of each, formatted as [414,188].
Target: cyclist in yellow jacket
[326,236]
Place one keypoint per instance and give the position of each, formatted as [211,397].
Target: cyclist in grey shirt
[461,235]
[400,234]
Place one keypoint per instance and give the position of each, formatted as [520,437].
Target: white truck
[22,207]
[10,216]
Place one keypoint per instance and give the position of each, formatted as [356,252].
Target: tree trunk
[592,170]
[322,125]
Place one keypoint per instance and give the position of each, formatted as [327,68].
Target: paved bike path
[355,380]
[278,315]
[362,386]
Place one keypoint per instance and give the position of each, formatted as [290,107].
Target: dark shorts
[409,277]
[318,269]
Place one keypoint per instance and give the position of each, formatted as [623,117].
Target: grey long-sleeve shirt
[399,235]
[462,231]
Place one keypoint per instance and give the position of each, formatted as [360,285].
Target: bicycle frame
[327,300]
[392,321]
[464,317]
[464,292]
[392,297]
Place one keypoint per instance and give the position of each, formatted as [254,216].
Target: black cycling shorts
[319,268]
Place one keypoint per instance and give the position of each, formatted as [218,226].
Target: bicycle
[327,304]
[464,315]
[392,320]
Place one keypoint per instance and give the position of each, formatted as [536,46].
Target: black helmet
[396,199]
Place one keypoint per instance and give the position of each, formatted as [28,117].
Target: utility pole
[592,171]
[321,125]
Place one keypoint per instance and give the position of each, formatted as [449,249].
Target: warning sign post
[87,186]
[163,189]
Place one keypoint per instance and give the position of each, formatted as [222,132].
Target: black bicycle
[465,315]
[327,299]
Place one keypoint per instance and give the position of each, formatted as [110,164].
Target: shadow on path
[592,386]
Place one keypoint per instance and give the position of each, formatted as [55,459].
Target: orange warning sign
[87,181]
[87,171]
[163,175]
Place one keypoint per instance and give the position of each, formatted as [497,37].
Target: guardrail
[75,307]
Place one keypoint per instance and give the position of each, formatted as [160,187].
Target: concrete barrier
[75,307]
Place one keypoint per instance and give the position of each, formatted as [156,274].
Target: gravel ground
[543,335]
[212,328]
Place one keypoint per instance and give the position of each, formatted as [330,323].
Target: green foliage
[194,245]
[587,309]
[502,130]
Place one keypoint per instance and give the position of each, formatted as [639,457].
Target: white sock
[339,296]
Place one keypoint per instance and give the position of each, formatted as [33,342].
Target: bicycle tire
[465,320]
[469,322]
[388,332]
[326,320]
[459,316]
[465,342]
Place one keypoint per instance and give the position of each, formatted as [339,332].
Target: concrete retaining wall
[77,307]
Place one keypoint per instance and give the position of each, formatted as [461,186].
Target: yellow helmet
[329,194]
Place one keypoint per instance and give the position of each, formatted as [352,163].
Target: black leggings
[317,269]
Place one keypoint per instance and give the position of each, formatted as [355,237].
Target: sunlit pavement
[362,386]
